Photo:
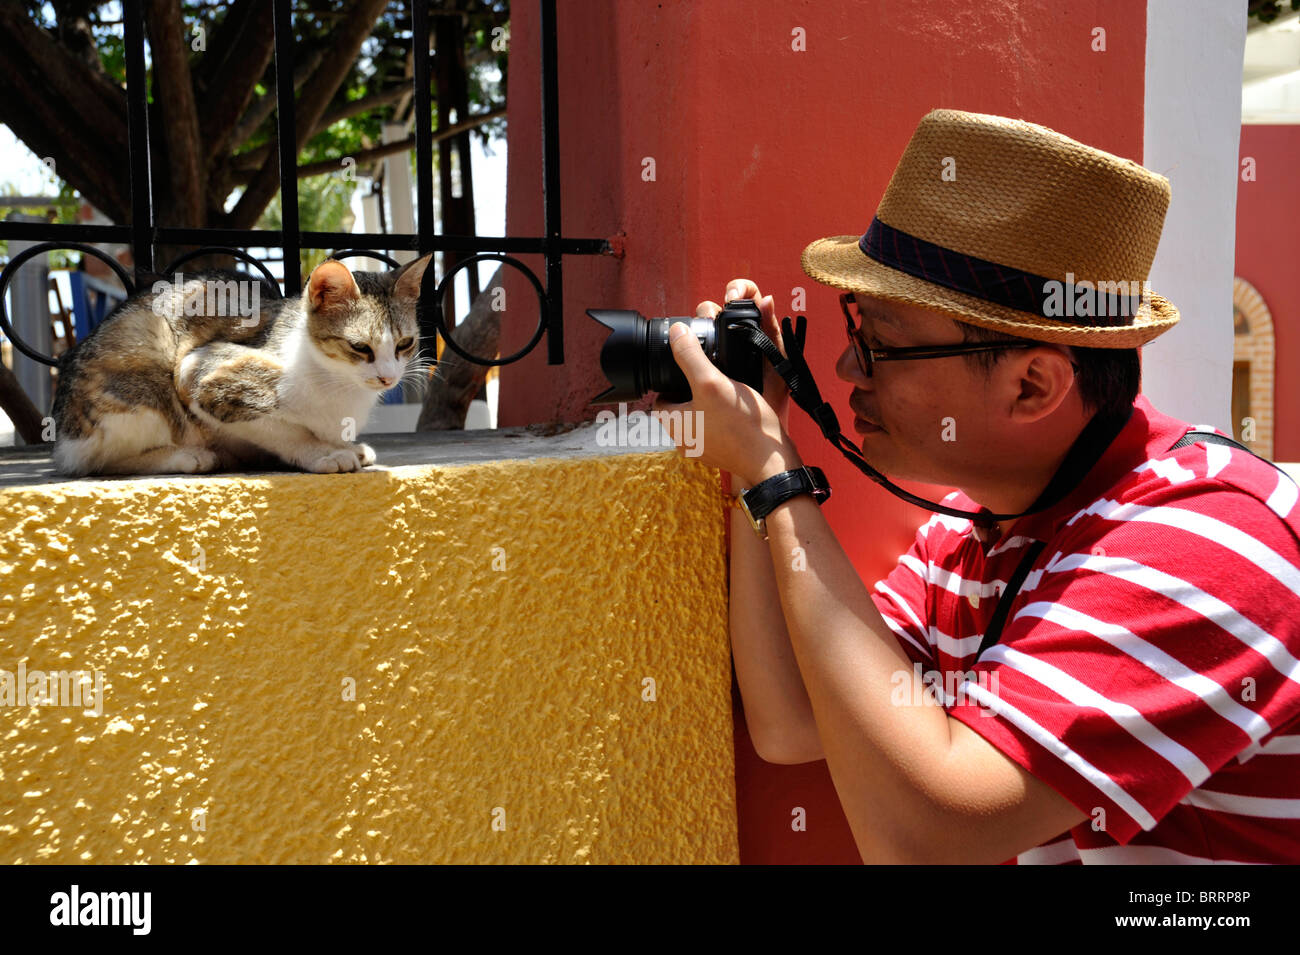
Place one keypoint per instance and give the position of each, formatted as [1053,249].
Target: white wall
[1193,129]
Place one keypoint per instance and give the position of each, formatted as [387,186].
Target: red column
[771,123]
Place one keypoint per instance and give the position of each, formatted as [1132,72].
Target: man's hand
[740,430]
[775,391]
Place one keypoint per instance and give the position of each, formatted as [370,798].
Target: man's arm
[915,784]
[777,710]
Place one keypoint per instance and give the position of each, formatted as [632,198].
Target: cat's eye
[362,349]
[404,345]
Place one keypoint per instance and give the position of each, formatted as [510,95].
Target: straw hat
[1011,226]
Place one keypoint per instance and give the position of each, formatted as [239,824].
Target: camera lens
[637,357]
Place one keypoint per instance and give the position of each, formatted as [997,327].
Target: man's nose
[847,368]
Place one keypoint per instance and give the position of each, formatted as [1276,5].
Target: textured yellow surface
[499,622]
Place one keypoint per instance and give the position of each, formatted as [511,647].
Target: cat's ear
[409,278]
[331,285]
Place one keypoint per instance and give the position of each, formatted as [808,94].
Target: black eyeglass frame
[867,355]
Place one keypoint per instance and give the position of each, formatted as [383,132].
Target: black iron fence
[144,234]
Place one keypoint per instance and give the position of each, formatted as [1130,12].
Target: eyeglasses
[867,355]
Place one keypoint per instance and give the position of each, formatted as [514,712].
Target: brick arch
[1252,342]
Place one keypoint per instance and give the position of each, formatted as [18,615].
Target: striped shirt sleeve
[1156,639]
[901,600]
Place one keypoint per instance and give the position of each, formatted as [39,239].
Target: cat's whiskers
[418,378]
[422,370]
[417,372]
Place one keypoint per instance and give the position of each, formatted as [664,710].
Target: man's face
[936,418]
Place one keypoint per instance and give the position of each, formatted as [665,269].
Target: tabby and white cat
[154,391]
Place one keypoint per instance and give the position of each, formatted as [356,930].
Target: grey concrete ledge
[31,464]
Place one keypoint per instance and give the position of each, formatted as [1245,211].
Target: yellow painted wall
[476,689]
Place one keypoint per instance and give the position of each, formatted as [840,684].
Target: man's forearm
[777,710]
[882,757]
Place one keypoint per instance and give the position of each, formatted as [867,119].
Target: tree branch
[387,149]
[447,401]
[180,118]
[358,106]
[252,160]
[264,107]
[241,52]
[19,407]
[72,28]
[316,94]
[61,107]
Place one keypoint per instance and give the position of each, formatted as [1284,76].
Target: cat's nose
[385,381]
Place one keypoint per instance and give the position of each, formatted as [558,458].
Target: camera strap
[793,368]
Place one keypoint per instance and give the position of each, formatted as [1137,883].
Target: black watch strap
[765,496]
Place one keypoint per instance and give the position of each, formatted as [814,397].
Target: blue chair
[92,300]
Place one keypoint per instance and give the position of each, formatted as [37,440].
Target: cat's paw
[343,459]
[365,454]
[192,461]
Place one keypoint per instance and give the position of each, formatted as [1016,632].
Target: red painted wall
[1268,247]
[758,150]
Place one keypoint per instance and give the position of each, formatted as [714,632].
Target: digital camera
[637,358]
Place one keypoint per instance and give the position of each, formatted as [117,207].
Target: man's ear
[331,285]
[409,278]
[1041,378]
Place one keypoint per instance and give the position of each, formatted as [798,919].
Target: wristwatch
[764,497]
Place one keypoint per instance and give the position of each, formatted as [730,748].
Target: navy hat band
[1082,302]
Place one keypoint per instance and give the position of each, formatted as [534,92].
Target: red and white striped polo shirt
[1149,669]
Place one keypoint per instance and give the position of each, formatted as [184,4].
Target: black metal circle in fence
[11,269]
[225,250]
[425,305]
[379,256]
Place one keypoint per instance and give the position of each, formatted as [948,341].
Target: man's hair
[1108,378]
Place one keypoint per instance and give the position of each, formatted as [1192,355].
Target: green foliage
[112,53]
[61,209]
[380,67]
[324,205]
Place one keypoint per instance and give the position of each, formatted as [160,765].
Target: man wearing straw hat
[1099,663]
